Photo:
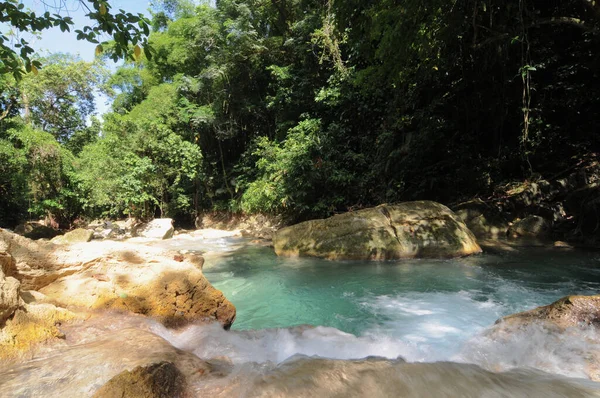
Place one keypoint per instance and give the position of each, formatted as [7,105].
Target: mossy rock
[406,230]
[158,380]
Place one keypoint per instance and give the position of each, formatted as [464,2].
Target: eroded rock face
[405,230]
[168,290]
[160,228]
[157,380]
[10,300]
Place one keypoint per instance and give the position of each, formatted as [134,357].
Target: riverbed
[308,327]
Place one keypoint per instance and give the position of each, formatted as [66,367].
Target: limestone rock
[7,262]
[406,230]
[569,311]
[531,227]
[160,228]
[173,292]
[97,354]
[10,299]
[158,380]
[32,324]
[566,318]
[76,236]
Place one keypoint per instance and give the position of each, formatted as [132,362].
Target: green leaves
[128,32]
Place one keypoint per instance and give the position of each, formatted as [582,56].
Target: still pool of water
[422,310]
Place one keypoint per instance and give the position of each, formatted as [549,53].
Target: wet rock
[531,227]
[158,380]
[78,235]
[96,355]
[32,324]
[406,230]
[570,311]
[572,318]
[160,228]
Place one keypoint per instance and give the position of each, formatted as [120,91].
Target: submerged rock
[158,380]
[97,354]
[78,235]
[405,230]
[31,325]
[160,228]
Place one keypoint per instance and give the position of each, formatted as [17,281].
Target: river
[309,327]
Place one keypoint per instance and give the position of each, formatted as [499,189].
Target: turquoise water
[431,307]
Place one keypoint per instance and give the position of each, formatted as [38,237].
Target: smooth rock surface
[78,235]
[160,228]
[406,230]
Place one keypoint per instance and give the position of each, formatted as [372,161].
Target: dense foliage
[308,108]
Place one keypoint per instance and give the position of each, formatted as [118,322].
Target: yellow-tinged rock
[406,230]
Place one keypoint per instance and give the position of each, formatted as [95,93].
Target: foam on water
[421,310]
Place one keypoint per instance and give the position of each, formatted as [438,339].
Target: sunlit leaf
[137,52]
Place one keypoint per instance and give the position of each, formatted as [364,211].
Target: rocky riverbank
[44,285]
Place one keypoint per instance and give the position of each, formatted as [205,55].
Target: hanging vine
[526,70]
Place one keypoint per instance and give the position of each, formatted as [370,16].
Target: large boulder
[155,284]
[405,230]
[157,380]
[78,235]
[160,228]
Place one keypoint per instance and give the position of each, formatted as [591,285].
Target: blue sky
[53,40]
